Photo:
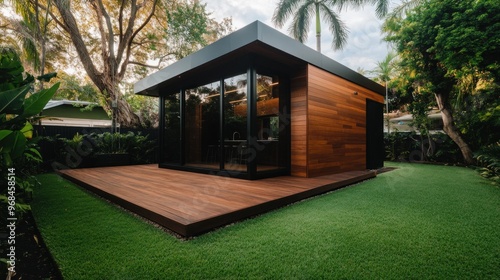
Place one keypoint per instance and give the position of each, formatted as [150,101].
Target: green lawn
[419,221]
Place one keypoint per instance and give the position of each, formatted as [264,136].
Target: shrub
[410,146]
[83,149]
[138,146]
[489,160]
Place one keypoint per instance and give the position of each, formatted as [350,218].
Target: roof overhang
[256,38]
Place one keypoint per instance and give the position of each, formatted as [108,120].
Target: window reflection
[268,127]
[202,125]
[209,146]
[172,129]
[235,123]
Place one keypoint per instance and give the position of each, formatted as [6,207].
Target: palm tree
[405,5]
[384,72]
[304,10]
[31,32]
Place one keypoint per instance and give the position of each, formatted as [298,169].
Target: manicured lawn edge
[418,221]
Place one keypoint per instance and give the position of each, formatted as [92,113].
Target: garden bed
[33,259]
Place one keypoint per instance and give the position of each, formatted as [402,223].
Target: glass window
[172,129]
[268,126]
[202,126]
[235,123]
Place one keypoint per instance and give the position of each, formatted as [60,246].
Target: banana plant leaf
[11,101]
[14,144]
[35,103]
[27,130]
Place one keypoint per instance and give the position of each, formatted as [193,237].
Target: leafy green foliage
[137,145]
[450,49]
[413,147]
[18,105]
[489,158]
[73,88]
[302,12]
[187,28]
[84,150]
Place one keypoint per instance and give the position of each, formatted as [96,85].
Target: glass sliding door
[235,106]
[202,133]
[171,129]
[268,123]
[244,132]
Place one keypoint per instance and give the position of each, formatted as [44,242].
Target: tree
[443,44]
[73,88]
[384,72]
[304,10]
[190,28]
[114,40]
[30,35]
[116,28]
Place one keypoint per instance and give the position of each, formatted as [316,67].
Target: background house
[404,123]
[259,104]
[75,113]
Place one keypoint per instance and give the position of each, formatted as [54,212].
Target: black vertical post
[221,125]
[161,135]
[285,123]
[251,122]
[182,110]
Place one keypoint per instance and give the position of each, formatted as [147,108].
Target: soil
[33,259]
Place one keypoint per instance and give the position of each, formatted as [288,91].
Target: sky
[365,46]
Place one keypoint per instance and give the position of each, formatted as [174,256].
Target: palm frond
[404,7]
[284,10]
[381,8]
[337,27]
[300,24]
[345,4]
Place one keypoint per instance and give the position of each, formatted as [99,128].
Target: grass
[419,221]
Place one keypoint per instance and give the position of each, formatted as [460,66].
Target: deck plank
[191,203]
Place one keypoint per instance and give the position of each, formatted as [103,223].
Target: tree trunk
[108,79]
[451,130]
[125,116]
[318,29]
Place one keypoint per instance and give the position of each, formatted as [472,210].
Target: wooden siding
[336,124]
[298,112]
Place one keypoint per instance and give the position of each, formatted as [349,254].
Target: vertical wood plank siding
[330,120]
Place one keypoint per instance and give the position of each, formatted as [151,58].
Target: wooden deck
[190,203]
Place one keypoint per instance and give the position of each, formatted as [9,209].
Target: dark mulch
[33,260]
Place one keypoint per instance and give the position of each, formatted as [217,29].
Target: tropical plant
[19,104]
[303,12]
[384,72]
[87,147]
[489,159]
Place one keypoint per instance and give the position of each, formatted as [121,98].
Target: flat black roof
[253,38]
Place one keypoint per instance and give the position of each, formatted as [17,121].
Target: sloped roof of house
[55,103]
[73,109]
[254,38]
